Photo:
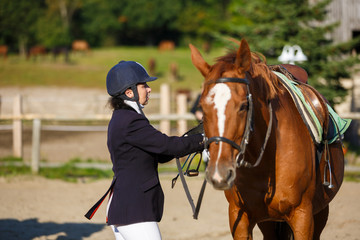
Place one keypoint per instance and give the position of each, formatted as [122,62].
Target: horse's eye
[243,107]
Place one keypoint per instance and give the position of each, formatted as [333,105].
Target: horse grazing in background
[61,50]
[261,152]
[80,46]
[36,51]
[166,45]
[4,51]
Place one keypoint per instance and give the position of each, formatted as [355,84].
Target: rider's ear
[199,61]
[129,93]
[243,56]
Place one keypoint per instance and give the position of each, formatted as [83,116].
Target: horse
[166,45]
[61,50]
[80,46]
[36,51]
[261,153]
[4,51]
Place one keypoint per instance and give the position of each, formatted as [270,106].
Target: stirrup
[327,167]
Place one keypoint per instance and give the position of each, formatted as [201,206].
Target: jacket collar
[135,106]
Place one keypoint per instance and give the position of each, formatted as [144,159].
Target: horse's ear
[199,61]
[243,56]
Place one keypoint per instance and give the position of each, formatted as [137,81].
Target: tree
[144,21]
[99,22]
[17,20]
[201,19]
[54,27]
[269,25]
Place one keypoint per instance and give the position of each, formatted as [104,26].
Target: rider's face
[144,93]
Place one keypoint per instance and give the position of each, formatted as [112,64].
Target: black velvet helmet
[124,75]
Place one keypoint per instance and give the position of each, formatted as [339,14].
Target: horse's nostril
[230,174]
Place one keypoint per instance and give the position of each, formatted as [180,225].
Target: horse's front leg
[240,226]
[302,222]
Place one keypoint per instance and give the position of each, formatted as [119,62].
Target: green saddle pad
[340,125]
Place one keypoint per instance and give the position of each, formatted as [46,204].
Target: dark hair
[118,103]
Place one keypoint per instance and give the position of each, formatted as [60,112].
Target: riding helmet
[124,75]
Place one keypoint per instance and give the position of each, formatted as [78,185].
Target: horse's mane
[259,71]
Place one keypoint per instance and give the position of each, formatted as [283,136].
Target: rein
[240,162]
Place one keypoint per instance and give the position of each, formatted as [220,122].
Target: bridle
[240,162]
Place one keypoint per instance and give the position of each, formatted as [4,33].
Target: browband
[235,80]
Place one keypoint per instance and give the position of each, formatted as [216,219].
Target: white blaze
[219,95]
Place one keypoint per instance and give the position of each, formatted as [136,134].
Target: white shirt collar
[134,105]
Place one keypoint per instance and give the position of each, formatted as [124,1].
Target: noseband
[240,162]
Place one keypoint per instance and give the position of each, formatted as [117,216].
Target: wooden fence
[164,117]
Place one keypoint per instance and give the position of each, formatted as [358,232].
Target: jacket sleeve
[164,158]
[141,134]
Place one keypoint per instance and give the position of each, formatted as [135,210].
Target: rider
[136,147]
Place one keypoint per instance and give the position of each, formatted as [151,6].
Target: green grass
[69,172]
[89,71]
[352,176]
[10,159]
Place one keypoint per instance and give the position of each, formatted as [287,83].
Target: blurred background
[55,54]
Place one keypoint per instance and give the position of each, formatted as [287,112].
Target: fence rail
[164,118]
[17,117]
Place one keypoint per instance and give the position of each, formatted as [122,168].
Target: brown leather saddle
[293,72]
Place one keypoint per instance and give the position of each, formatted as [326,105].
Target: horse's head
[225,103]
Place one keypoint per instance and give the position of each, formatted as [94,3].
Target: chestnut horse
[261,153]
[4,51]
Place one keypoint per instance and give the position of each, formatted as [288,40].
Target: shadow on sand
[12,229]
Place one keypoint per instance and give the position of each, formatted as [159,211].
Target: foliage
[200,19]
[106,22]
[49,34]
[17,20]
[145,20]
[102,22]
[269,25]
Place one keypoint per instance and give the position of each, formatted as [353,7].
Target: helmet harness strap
[135,98]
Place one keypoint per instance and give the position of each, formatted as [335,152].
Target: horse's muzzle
[221,179]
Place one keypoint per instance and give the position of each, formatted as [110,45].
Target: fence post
[17,127]
[165,107]
[181,111]
[35,151]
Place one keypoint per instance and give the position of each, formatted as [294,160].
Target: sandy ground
[37,208]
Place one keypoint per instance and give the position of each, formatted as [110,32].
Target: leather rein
[240,162]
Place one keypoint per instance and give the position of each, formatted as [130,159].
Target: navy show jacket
[136,148]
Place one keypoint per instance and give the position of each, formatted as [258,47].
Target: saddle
[293,72]
[322,122]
